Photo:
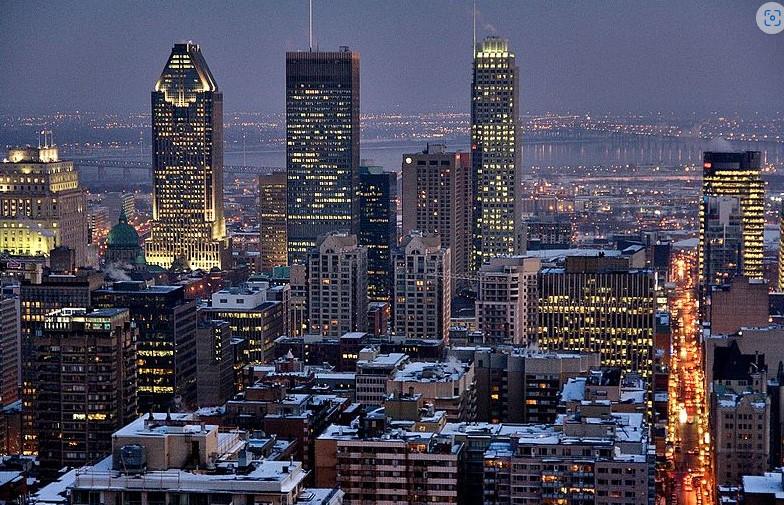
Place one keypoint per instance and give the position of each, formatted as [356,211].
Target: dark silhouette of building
[166,345]
[85,378]
[378,228]
[37,299]
[322,145]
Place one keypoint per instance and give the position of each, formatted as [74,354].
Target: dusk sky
[592,56]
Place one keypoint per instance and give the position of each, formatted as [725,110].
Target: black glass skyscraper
[165,345]
[187,160]
[322,145]
[378,227]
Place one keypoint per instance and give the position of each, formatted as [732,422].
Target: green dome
[122,235]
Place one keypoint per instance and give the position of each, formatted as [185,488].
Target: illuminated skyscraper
[273,244]
[599,304]
[781,248]
[735,175]
[495,152]
[322,146]
[378,228]
[41,204]
[187,160]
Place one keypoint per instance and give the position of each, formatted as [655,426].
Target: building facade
[175,458]
[41,204]
[378,228]
[599,460]
[253,316]
[38,299]
[273,241]
[722,239]
[507,300]
[187,157]
[337,286]
[214,363]
[423,291]
[166,343]
[448,386]
[436,199]
[735,175]
[122,244]
[322,146]
[10,350]
[398,468]
[596,304]
[742,303]
[85,369]
[495,152]
[781,248]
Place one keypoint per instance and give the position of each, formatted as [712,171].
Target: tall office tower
[337,286]
[273,244]
[506,301]
[37,299]
[423,291]
[166,344]
[187,163]
[10,349]
[322,146]
[722,239]
[437,199]
[495,152]
[781,248]
[735,175]
[599,304]
[85,368]
[41,204]
[378,228]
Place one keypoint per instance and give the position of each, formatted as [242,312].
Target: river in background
[607,151]
[599,152]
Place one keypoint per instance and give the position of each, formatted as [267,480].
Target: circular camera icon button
[770,18]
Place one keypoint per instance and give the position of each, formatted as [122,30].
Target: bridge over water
[141,171]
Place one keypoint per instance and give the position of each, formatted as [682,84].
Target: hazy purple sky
[589,55]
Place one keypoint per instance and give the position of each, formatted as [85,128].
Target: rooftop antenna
[473,47]
[310,25]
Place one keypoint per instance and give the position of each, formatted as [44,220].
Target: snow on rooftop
[574,389]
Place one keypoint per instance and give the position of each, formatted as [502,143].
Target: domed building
[122,244]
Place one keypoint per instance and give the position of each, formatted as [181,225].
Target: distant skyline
[591,56]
